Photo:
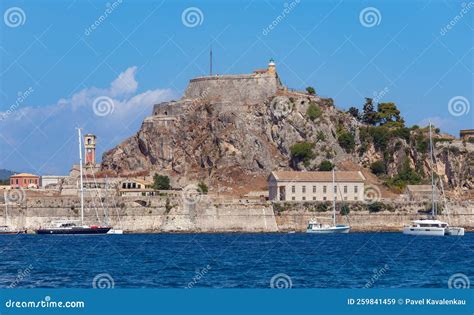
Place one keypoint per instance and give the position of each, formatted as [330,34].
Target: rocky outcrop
[233,147]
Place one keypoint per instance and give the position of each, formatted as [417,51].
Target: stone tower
[89,145]
[272,67]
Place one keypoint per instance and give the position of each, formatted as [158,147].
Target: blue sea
[355,260]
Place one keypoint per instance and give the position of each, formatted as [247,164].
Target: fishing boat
[317,227]
[432,226]
[69,226]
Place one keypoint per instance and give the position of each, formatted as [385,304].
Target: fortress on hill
[225,91]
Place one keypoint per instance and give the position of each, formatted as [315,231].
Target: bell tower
[89,145]
[272,67]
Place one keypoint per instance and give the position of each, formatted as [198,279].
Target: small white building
[315,186]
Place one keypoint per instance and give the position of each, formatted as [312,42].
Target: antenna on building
[210,61]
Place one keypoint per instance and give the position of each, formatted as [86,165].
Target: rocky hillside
[233,148]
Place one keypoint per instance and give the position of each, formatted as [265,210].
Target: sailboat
[6,229]
[317,227]
[68,226]
[432,226]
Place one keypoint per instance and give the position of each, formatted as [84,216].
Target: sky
[101,65]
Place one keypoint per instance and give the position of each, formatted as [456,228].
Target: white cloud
[42,139]
[125,83]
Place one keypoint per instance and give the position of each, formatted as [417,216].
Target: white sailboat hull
[425,231]
[330,230]
[115,231]
[455,231]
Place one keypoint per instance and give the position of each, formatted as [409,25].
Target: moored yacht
[319,228]
[68,226]
[432,227]
[426,227]
[316,227]
[5,229]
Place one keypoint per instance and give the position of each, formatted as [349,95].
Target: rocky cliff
[232,146]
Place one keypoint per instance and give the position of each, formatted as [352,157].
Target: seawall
[168,213]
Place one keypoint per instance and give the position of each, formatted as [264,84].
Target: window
[345,189]
[345,198]
[314,189]
[293,189]
[304,198]
[324,189]
[303,189]
[324,198]
[293,198]
[335,188]
[355,198]
[314,198]
[356,189]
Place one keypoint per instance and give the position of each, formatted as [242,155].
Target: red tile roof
[342,176]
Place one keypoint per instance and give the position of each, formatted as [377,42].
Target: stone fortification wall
[236,89]
[168,213]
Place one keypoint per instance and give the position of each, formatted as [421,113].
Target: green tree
[311,90]
[354,112]
[378,168]
[370,115]
[380,136]
[161,182]
[325,166]
[388,114]
[202,188]
[345,210]
[314,111]
[375,206]
[302,151]
[346,141]
[406,176]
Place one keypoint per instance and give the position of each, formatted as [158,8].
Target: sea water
[233,260]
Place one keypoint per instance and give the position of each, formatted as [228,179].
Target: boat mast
[6,208]
[433,210]
[80,171]
[334,191]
